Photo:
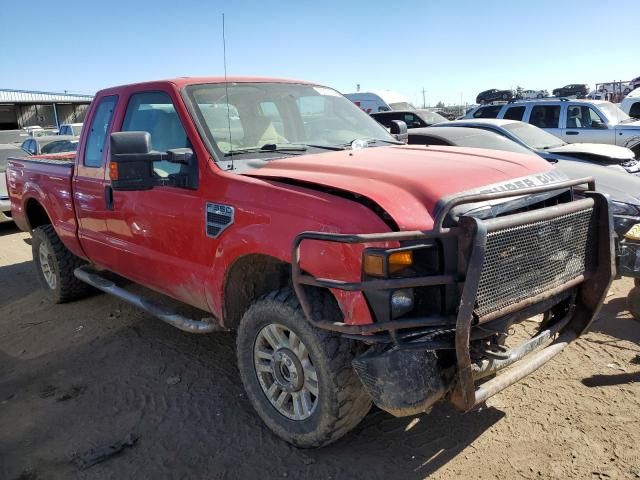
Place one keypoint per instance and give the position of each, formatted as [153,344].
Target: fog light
[401,302]
[633,233]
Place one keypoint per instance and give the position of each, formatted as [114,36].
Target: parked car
[551,148]
[70,129]
[38,131]
[6,150]
[494,95]
[530,94]
[589,121]
[413,119]
[50,144]
[353,268]
[631,104]
[578,90]
[623,189]
[380,101]
[635,83]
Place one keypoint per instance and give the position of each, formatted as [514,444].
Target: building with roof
[24,108]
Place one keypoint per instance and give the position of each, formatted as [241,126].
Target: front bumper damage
[414,362]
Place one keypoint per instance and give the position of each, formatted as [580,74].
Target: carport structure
[26,108]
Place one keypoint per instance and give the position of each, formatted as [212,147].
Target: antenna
[226,89]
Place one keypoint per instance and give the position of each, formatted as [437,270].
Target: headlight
[380,264]
[620,208]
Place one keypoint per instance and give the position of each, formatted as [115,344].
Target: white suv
[589,121]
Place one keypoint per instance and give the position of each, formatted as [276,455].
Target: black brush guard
[589,288]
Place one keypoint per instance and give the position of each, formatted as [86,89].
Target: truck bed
[44,180]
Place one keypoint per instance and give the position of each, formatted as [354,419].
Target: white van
[380,101]
[631,104]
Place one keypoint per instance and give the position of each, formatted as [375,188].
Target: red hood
[406,181]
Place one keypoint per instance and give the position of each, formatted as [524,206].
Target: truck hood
[628,126]
[619,185]
[613,152]
[408,181]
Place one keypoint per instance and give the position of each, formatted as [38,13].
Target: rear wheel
[299,379]
[633,301]
[55,265]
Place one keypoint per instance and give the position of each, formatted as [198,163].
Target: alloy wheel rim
[286,372]
[47,266]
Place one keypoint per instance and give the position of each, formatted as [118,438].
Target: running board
[206,325]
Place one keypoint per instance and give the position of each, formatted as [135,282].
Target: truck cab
[355,269]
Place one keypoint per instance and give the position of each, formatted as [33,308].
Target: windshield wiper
[269,147]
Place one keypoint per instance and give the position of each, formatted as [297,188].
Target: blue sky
[452,49]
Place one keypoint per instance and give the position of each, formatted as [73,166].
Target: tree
[440,104]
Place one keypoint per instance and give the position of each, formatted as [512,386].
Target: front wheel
[633,301]
[55,265]
[299,379]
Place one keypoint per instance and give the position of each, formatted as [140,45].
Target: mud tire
[633,302]
[342,400]
[63,262]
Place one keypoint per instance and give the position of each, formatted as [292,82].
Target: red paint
[157,237]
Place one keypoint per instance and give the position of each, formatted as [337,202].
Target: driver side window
[583,117]
[155,113]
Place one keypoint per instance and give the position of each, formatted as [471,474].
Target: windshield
[401,106]
[274,115]
[5,153]
[60,146]
[492,142]
[613,113]
[533,136]
[431,117]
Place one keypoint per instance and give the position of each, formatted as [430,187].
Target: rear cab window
[491,111]
[97,138]
[514,113]
[545,116]
[634,111]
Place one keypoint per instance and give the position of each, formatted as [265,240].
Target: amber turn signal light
[374,263]
[399,261]
[113,171]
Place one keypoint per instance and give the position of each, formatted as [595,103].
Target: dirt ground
[85,375]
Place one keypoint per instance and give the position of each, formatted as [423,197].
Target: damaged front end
[471,280]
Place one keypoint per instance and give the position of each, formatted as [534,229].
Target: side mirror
[399,131]
[599,125]
[131,165]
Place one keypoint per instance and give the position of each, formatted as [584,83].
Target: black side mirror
[131,165]
[399,131]
[599,125]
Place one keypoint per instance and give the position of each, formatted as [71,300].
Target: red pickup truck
[353,268]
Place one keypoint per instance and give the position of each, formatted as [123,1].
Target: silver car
[584,121]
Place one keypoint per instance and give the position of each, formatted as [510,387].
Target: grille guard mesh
[527,260]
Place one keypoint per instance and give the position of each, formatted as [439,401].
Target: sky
[451,49]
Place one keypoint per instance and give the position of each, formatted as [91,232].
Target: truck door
[585,125]
[89,186]
[157,236]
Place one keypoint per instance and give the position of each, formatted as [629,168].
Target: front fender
[272,234]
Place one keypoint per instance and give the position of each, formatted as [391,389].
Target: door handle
[573,133]
[108,197]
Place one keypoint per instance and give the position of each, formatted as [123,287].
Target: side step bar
[206,325]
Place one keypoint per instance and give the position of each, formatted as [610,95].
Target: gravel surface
[99,380]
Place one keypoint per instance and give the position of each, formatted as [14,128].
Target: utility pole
[424,98]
